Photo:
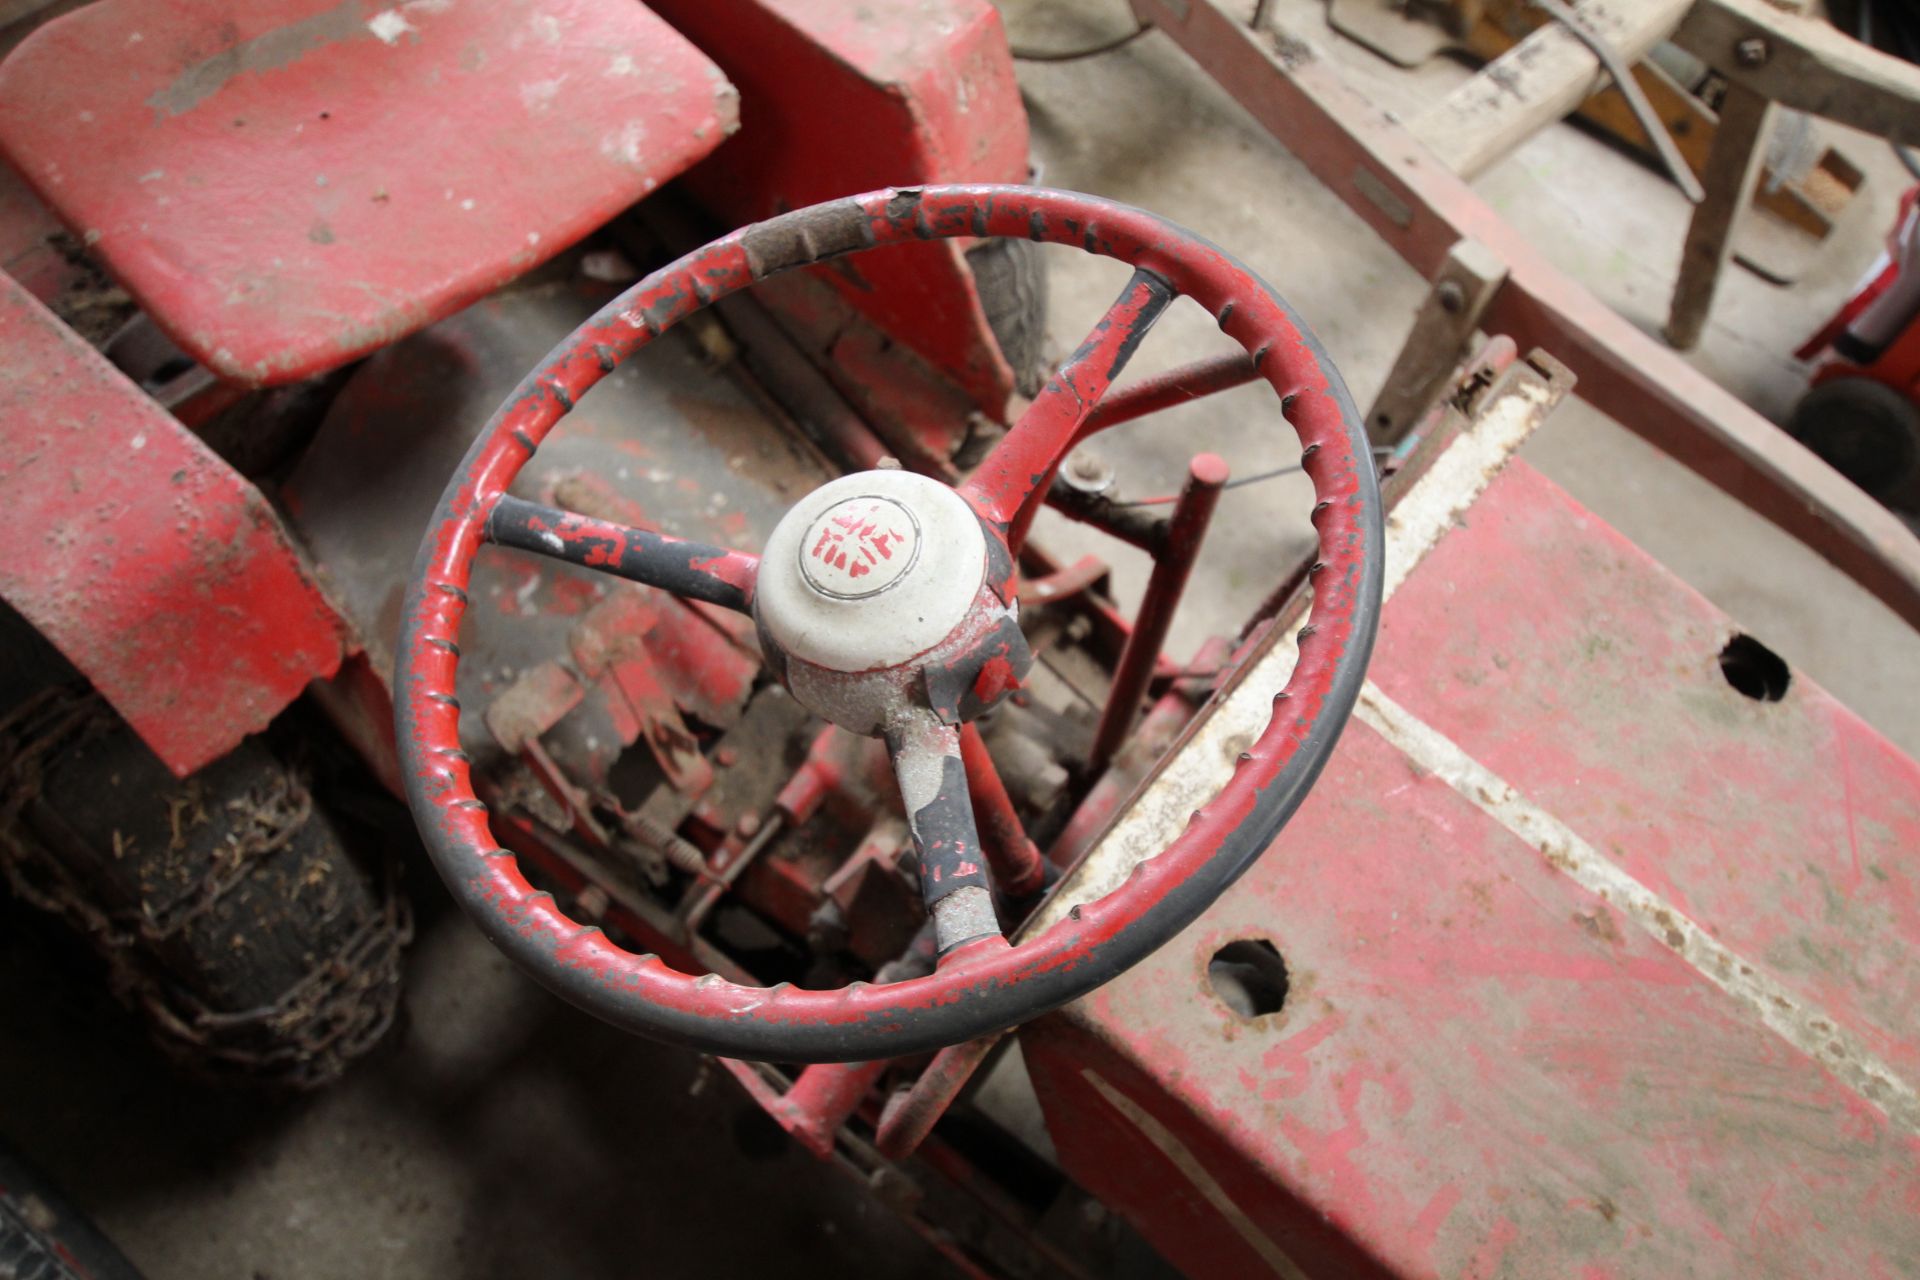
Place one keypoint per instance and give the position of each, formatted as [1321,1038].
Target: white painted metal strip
[1809,1029]
[1201,767]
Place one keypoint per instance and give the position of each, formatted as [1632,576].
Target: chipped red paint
[989,640]
[1192,513]
[924,91]
[285,188]
[695,570]
[1009,486]
[1482,1068]
[1017,866]
[158,570]
[977,988]
[996,679]
[619,646]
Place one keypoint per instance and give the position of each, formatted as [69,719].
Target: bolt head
[1087,472]
[1752,52]
[1452,297]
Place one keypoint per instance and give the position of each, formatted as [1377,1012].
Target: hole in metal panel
[1755,670]
[1249,977]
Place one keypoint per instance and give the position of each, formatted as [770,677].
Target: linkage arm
[693,570]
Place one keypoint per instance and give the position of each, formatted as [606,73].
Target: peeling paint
[389,25]
[1806,1028]
[1185,781]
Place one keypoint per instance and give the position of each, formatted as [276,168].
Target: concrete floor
[502,1135]
[1143,125]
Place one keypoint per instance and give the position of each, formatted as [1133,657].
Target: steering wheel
[885,602]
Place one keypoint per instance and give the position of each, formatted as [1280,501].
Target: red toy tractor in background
[1862,413]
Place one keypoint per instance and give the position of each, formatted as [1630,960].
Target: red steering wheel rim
[986,986]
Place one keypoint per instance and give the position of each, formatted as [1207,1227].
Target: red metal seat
[286,185]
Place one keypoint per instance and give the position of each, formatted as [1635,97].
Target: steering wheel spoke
[883,595]
[1010,482]
[692,570]
[954,881]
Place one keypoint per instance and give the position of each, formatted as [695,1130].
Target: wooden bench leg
[1733,168]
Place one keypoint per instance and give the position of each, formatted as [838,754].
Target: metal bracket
[1442,329]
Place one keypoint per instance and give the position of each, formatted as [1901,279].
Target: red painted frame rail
[1422,210]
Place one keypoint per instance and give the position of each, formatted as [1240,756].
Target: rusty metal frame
[1421,210]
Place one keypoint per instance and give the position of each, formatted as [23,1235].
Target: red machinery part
[927,86]
[1206,478]
[1562,981]
[119,514]
[274,186]
[989,984]
[1016,862]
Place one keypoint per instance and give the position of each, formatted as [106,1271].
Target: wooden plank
[1689,121]
[1538,81]
[1394,184]
[1805,64]
[1733,168]
[1811,203]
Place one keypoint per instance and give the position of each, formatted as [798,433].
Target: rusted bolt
[1452,296]
[1088,473]
[748,826]
[1752,52]
[725,757]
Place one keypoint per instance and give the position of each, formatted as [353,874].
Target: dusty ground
[503,1135]
[1144,126]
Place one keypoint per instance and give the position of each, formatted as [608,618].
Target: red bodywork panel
[1484,1067]
[838,98]
[286,185]
[1898,366]
[161,573]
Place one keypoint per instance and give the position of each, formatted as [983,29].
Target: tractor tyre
[1866,430]
[230,913]
[1011,276]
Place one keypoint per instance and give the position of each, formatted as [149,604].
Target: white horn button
[869,570]
[860,547]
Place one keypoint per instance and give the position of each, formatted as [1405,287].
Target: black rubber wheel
[43,1237]
[1012,278]
[1865,430]
[230,911]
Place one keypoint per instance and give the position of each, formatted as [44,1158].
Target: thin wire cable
[1023,54]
